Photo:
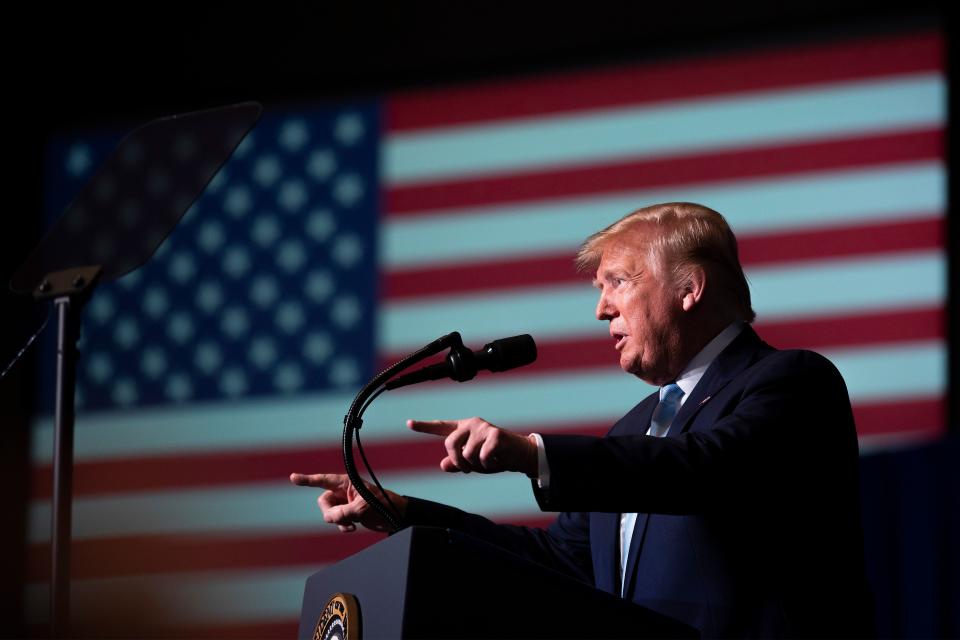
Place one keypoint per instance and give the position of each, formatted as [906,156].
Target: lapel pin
[704,401]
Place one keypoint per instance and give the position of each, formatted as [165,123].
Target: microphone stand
[353,420]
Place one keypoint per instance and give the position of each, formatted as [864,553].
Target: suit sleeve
[791,419]
[563,546]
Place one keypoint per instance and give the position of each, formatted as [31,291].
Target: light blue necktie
[666,410]
[670,396]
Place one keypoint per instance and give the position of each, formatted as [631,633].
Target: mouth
[619,340]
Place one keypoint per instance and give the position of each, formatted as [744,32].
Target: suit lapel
[738,355]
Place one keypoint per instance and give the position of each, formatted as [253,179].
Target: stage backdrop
[343,236]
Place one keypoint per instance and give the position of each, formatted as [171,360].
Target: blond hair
[684,234]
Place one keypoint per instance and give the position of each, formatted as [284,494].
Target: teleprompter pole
[70,290]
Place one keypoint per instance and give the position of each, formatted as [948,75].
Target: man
[728,500]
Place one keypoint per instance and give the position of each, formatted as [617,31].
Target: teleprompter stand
[115,225]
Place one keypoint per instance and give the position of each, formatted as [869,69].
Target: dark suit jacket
[749,518]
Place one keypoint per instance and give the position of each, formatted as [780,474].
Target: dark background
[68,67]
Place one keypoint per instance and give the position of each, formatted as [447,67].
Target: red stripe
[140,620]
[182,471]
[138,555]
[868,329]
[755,250]
[899,416]
[748,71]
[228,468]
[662,171]
[253,631]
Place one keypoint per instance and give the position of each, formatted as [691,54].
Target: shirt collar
[695,369]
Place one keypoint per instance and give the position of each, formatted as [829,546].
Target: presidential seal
[340,619]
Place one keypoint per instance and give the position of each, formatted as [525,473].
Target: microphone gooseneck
[462,364]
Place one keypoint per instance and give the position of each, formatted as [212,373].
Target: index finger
[322,480]
[435,427]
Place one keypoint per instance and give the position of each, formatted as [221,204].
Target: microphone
[462,364]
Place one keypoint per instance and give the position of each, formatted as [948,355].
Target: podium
[426,582]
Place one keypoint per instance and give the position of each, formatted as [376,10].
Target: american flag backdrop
[342,237]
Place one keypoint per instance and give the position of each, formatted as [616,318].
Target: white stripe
[564,400]
[700,124]
[318,422]
[832,287]
[780,203]
[870,375]
[200,598]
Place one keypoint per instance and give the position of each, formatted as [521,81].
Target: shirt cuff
[543,469]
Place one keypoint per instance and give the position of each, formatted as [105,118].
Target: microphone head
[510,353]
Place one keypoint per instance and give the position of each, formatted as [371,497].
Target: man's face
[643,311]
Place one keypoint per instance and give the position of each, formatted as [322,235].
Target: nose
[605,310]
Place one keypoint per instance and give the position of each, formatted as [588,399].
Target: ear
[693,287]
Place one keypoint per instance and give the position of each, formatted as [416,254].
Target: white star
[294,135]
[126,333]
[345,312]
[344,372]
[158,182]
[288,377]
[317,347]
[292,195]
[264,291]
[101,307]
[237,201]
[124,392]
[208,357]
[179,387]
[319,286]
[290,316]
[211,236]
[180,327]
[266,171]
[321,164]
[184,146]
[105,188]
[349,128]
[236,262]
[78,160]
[291,255]
[182,267]
[131,154]
[235,322]
[100,367]
[320,224]
[265,230]
[347,250]
[262,352]
[233,382]
[348,189]
[155,302]
[153,362]
[209,296]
